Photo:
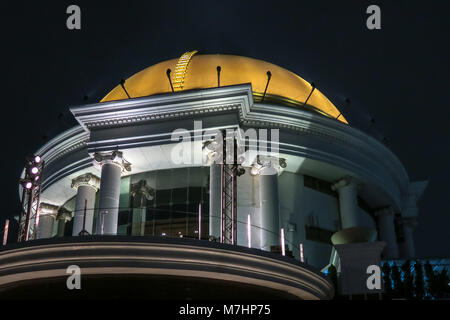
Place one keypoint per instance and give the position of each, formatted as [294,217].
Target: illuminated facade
[115,174]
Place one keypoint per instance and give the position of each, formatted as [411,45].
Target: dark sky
[398,75]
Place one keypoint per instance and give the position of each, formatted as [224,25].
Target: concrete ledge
[115,255]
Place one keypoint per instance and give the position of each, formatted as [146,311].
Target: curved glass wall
[173,203]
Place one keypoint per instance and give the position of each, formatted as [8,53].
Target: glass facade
[172,203]
[165,203]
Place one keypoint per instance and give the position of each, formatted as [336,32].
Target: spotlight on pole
[168,71]
[34,170]
[28,185]
[218,75]
[37,159]
[269,76]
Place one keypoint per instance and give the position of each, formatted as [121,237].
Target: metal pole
[27,226]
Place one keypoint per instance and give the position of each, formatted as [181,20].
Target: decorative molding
[87,179]
[116,157]
[47,209]
[167,106]
[268,162]
[65,143]
[362,155]
[346,181]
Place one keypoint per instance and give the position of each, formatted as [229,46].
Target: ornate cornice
[331,141]
[63,144]
[163,107]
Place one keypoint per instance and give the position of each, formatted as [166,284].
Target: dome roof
[195,71]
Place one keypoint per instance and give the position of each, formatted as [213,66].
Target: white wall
[296,204]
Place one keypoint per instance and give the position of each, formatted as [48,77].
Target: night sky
[398,76]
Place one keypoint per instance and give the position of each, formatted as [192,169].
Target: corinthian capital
[47,209]
[64,214]
[87,179]
[266,165]
[387,211]
[141,192]
[346,181]
[116,157]
[410,222]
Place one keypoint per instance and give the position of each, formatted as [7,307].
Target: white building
[330,178]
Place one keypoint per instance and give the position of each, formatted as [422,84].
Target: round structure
[148,161]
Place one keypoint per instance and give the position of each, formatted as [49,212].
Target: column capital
[386,211]
[47,209]
[115,157]
[64,214]
[344,182]
[409,222]
[268,165]
[87,179]
[140,191]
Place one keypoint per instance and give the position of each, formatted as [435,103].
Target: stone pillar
[63,216]
[47,216]
[214,154]
[215,196]
[348,201]
[407,247]
[268,169]
[112,164]
[86,186]
[387,232]
[141,193]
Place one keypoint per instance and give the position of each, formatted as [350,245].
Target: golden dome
[195,71]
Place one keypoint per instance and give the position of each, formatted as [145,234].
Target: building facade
[143,162]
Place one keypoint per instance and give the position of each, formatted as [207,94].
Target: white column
[213,154]
[348,201]
[387,231]
[268,169]
[86,186]
[407,247]
[141,193]
[215,196]
[47,216]
[112,164]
